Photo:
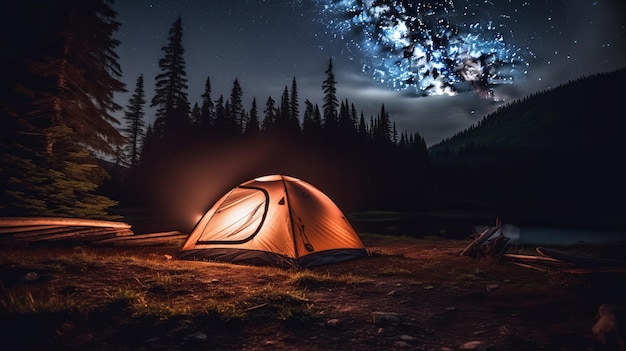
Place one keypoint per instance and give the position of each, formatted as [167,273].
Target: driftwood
[489,243]
[492,242]
[31,230]
[27,231]
[58,221]
[143,239]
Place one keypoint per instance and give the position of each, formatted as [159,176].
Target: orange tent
[274,220]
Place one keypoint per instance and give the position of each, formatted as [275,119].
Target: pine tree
[285,115]
[252,128]
[220,116]
[294,108]
[330,99]
[134,118]
[61,76]
[195,116]
[269,122]
[236,108]
[170,95]
[207,109]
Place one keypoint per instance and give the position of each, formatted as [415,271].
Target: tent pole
[293,231]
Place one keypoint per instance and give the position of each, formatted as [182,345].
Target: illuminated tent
[274,220]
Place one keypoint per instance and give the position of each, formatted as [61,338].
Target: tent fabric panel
[330,256]
[197,231]
[264,258]
[237,218]
[318,221]
[239,256]
[274,234]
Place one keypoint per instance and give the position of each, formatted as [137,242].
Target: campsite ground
[413,294]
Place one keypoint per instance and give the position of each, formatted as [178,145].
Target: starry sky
[419,59]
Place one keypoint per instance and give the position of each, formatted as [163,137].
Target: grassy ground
[409,294]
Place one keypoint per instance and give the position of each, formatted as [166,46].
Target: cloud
[433,117]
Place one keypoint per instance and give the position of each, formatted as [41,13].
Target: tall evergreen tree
[195,116]
[331,101]
[170,94]
[61,76]
[134,117]
[236,107]
[253,128]
[269,121]
[307,118]
[284,115]
[294,108]
[207,109]
[220,116]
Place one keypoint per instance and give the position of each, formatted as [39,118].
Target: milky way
[429,48]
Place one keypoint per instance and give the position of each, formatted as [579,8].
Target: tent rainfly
[274,220]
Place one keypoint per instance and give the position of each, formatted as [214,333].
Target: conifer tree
[269,121]
[284,115]
[252,128]
[307,118]
[134,117]
[237,112]
[207,109]
[330,99]
[195,116]
[220,116]
[170,94]
[61,77]
[294,108]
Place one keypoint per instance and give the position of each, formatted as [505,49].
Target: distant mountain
[581,113]
[559,153]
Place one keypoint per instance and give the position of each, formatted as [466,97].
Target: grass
[151,286]
[31,303]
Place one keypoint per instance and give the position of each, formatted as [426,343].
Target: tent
[274,220]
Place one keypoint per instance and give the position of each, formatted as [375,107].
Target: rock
[332,323]
[30,276]
[385,318]
[199,336]
[401,344]
[476,346]
[407,338]
[492,287]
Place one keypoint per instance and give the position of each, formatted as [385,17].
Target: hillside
[582,113]
[555,155]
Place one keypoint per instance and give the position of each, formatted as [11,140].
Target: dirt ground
[408,295]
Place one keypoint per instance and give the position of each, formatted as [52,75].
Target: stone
[385,318]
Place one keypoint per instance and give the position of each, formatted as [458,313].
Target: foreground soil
[409,294]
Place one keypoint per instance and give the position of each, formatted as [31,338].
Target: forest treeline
[557,154]
[62,74]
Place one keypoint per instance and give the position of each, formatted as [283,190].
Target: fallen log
[33,228]
[143,239]
[90,234]
[60,221]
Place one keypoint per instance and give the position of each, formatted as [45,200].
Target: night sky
[380,53]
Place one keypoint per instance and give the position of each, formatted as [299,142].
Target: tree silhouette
[134,117]
[237,112]
[207,109]
[170,94]
[294,108]
[252,128]
[61,75]
[330,100]
[269,121]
